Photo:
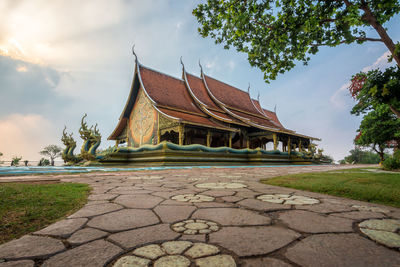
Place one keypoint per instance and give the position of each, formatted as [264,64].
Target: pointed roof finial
[248,89]
[201,68]
[258,97]
[182,63]
[133,52]
[275,109]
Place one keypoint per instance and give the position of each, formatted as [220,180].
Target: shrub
[44,162]
[393,162]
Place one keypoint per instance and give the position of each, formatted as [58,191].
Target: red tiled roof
[200,91]
[230,95]
[167,91]
[191,118]
[256,119]
[272,115]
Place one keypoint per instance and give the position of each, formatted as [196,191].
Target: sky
[60,59]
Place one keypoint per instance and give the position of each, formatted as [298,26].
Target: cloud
[341,97]
[380,63]
[28,87]
[25,135]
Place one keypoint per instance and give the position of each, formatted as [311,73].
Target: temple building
[199,110]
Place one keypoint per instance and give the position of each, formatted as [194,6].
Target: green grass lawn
[25,208]
[359,184]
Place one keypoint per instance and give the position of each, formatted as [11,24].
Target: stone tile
[95,254]
[142,201]
[341,250]
[325,208]
[169,214]
[221,185]
[213,205]
[165,195]
[144,235]
[193,198]
[231,216]
[359,215]
[63,228]
[198,237]
[129,191]
[102,196]
[270,262]
[216,261]
[24,263]
[123,220]
[86,235]
[176,247]
[311,222]
[30,246]
[132,261]
[252,241]
[201,250]
[385,225]
[174,203]
[231,198]
[262,206]
[219,193]
[150,252]
[386,231]
[174,260]
[93,210]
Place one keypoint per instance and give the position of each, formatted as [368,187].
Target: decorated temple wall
[143,121]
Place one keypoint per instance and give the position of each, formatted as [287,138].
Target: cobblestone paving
[211,217]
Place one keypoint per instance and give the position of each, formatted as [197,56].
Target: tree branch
[356,38]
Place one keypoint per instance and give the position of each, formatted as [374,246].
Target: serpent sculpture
[91,140]
[70,144]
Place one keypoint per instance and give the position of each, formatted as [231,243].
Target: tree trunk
[52,161]
[395,111]
[370,18]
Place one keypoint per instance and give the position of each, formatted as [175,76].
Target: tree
[277,33]
[51,151]
[376,87]
[359,156]
[1,154]
[15,161]
[377,128]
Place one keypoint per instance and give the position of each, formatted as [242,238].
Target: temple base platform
[169,154]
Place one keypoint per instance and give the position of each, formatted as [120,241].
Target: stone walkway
[211,217]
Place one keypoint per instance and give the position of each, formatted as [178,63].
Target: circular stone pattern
[176,254]
[288,199]
[221,185]
[192,198]
[194,227]
[368,208]
[386,231]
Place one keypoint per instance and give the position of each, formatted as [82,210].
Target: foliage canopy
[374,88]
[377,128]
[277,33]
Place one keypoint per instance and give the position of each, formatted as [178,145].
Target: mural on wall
[142,121]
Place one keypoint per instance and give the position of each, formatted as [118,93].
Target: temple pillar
[247,142]
[275,137]
[181,134]
[208,138]
[116,143]
[289,145]
[158,136]
[300,147]
[230,140]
